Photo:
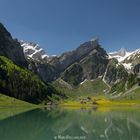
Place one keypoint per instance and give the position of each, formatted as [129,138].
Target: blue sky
[62,25]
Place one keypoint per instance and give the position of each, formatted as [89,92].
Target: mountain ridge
[88,62]
[59,64]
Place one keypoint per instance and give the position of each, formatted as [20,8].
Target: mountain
[127,59]
[134,58]
[33,51]
[11,48]
[115,72]
[91,66]
[120,55]
[68,58]
[87,62]
[15,79]
[38,61]
[29,74]
[23,84]
[112,69]
[82,60]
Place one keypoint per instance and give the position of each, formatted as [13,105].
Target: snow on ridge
[127,56]
[33,50]
[120,55]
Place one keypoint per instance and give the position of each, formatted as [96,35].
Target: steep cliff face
[11,48]
[90,67]
[115,72]
[73,74]
[95,63]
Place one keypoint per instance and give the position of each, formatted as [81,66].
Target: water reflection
[89,124]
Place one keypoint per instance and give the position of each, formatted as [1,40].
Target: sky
[62,25]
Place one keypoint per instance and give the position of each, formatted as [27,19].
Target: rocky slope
[87,62]
[33,51]
[127,59]
[115,72]
[91,66]
[11,48]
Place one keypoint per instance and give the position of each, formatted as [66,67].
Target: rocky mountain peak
[122,52]
[90,44]
[75,55]
[33,50]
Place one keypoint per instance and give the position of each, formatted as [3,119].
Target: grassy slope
[132,95]
[6,101]
[10,106]
[95,90]
[88,88]
[21,83]
[101,101]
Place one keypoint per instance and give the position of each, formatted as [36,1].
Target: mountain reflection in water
[88,124]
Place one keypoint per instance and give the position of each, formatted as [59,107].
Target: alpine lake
[60,123]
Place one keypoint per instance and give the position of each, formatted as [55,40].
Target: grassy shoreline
[99,101]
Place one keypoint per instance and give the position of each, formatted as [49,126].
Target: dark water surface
[77,124]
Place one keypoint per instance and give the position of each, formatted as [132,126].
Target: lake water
[72,124]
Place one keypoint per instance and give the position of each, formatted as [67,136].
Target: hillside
[6,101]
[22,84]
[87,88]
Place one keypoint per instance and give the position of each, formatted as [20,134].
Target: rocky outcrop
[115,72]
[137,70]
[74,74]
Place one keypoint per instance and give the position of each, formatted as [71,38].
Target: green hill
[85,89]
[6,101]
[23,84]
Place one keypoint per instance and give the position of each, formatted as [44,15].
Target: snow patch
[119,57]
[83,82]
[122,55]
[33,50]
[127,66]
